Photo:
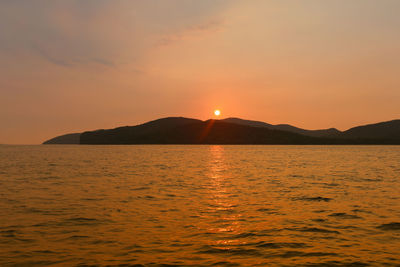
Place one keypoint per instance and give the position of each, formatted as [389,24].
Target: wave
[318,199]
[394,226]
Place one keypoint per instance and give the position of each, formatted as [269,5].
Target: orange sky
[71,66]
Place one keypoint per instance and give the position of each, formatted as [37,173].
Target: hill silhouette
[189,131]
[67,139]
[179,130]
[383,130]
[332,132]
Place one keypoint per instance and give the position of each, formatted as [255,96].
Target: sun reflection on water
[222,203]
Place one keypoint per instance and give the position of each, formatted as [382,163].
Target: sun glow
[217,112]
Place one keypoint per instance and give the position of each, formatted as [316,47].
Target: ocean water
[200,205]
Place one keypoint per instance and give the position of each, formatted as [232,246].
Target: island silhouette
[180,130]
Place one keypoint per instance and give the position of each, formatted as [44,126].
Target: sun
[217,112]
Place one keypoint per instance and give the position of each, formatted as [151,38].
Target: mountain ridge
[286,127]
[181,130]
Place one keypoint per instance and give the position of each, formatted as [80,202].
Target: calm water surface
[200,205]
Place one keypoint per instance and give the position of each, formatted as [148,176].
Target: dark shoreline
[184,131]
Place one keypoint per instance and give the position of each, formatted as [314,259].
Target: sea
[199,205]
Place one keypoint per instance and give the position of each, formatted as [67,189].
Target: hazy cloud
[50,58]
[69,33]
[192,32]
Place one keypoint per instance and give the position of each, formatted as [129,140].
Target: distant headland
[179,130]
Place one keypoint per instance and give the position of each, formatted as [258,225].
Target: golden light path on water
[220,197]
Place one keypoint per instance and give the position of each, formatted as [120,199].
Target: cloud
[46,56]
[192,32]
[103,62]
[106,32]
[63,62]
